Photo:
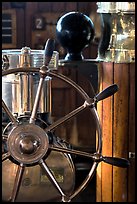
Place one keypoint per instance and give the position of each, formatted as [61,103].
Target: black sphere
[74,31]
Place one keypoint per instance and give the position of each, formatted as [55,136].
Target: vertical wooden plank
[131,148]
[45,6]
[58,6]
[70,6]
[100,111]
[107,134]
[121,181]
[20,26]
[84,7]
[31,9]
[120,130]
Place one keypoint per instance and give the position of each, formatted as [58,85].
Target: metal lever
[109,91]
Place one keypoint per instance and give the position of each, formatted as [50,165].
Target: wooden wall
[117,114]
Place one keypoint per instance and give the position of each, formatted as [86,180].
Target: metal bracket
[132,155]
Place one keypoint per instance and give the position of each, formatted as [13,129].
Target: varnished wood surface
[107,133]
[100,113]
[118,122]
[131,139]
[120,130]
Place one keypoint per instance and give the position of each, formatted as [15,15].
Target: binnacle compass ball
[74,31]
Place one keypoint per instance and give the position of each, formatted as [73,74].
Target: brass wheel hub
[28,144]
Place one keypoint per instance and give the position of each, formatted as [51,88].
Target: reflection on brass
[35,185]
[19,90]
[57,172]
[118,27]
[5,62]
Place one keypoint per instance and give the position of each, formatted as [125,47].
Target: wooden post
[115,113]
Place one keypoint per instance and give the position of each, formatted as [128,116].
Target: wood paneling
[118,133]
[31,9]
[107,134]
[70,6]
[25,35]
[100,113]
[58,6]
[44,7]
[131,139]
[20,27]
[120,130]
